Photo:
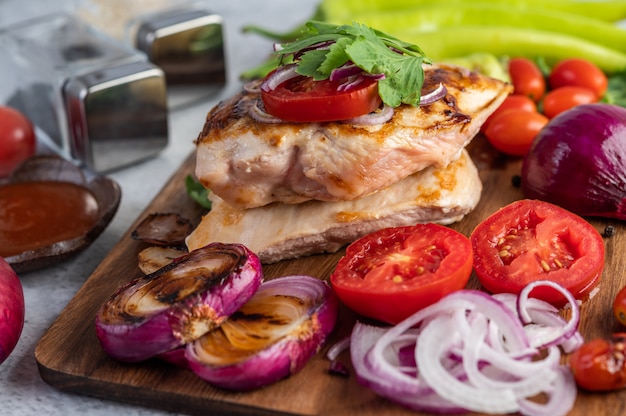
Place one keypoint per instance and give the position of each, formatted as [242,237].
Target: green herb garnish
[371,50]
[197,192]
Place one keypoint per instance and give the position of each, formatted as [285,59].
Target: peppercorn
[609,231]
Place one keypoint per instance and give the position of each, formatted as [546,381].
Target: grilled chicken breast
[285,231]
[250,164]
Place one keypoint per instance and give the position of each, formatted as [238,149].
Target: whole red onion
[578,161]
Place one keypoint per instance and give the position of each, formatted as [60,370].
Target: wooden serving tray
[69,356]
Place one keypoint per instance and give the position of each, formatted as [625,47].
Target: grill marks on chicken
[250,164]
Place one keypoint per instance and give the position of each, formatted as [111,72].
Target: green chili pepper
[510,41]
[442,18]
[345,10]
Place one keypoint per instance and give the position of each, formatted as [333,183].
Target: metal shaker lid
[117,115]
[187,43]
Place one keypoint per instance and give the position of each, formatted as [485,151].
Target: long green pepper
[441,18]
[510,41]
[607,10]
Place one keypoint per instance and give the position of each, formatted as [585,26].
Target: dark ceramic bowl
[55,168]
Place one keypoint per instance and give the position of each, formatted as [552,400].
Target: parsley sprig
[371,50]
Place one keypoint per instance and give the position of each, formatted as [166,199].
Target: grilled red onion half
[178,303]
[473,352]
[270,337]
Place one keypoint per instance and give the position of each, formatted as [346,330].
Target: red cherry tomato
[530,240]
[17,139]
[392,273]
[513,131]
[564,98]
[512,102]
[600,364]
[302,99]
[579,73]
[527,78]
[619,306]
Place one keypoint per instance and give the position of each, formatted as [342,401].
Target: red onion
[11,309]
[435,95]
[280,75]
[471,352]
[178,303]
[578,161]
[384,114]
[270,337]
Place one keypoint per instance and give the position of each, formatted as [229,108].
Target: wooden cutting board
[70,358]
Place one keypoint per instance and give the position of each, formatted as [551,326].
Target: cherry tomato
[513,131]
[302,99]
[619,306]
[512,102]
[17,139]
[600,364]
[530,240]
[527,78]
[392,273]
[579,73]
[564,98]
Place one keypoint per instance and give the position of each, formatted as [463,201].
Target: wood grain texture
[70,358]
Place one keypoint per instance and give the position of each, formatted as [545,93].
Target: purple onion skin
[279,360]
[219,293]
[578,161]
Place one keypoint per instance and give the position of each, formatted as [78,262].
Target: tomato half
[392,273]
[580,73]
[512,102]
[600,364]
[301,99]
[527,78]
[564,98]
[513,131]
[17,139]
[530,240]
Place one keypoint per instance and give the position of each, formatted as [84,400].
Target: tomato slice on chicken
[301,99]
[529,240]
[392,273]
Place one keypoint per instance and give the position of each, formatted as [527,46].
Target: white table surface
[22,391]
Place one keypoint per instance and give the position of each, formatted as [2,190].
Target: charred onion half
[474,352]
[270,337]
[178,303]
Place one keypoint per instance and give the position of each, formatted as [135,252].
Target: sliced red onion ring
[435,95]
[178,303]
[270,337]
[253,87]
[380,116]
[345,71]
[257,113]
[280,75]
[472,352]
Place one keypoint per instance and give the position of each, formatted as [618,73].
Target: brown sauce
[36,214]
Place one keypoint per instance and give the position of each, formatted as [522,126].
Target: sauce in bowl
[37,214]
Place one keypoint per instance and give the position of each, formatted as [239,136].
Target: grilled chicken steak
[250,164]
[284,231]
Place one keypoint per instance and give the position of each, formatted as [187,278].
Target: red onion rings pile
[474,352]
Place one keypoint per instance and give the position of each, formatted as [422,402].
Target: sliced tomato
[301,99]
[392,273]
[530,240]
